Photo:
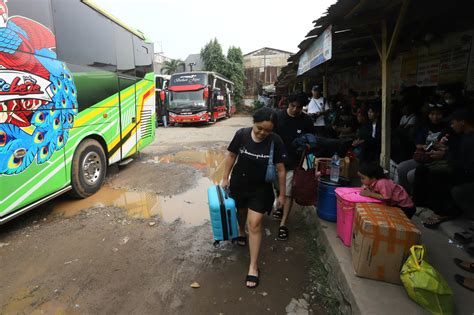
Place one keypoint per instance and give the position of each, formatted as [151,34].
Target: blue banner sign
[317,53]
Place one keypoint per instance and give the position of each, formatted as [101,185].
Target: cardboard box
[381,240]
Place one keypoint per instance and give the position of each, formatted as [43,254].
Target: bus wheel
[88,169]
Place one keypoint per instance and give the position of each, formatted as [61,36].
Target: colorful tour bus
[199,97]
[76,95]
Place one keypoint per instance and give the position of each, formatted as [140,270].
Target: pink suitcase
[347,197]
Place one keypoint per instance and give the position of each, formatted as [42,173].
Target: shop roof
[361,22]
[268,48]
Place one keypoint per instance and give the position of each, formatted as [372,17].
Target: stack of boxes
[381,235]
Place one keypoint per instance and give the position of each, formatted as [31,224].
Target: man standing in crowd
[369,145]
[292,123]
[317,109]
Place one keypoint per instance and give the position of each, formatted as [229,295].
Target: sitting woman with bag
[251,185]
[427,139]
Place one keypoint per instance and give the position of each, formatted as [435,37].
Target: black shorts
[259,199]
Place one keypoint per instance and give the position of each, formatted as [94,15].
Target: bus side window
[38,10]
[124,48]
[86,42]
[143,57]
[83,38]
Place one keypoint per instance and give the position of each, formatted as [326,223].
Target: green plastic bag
[425,285]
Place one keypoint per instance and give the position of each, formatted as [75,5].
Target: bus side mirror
[206,93]
[162,96]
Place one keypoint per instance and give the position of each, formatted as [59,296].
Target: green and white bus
[76,95]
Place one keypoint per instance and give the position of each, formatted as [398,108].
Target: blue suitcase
[223,214]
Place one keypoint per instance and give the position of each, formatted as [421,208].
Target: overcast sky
[183,27]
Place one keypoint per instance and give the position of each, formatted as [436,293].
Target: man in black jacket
[292,123]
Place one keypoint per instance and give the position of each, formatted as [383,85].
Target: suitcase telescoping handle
[226,193]
[229,221]
[220,196]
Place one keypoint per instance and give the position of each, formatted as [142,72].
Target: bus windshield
[186,99]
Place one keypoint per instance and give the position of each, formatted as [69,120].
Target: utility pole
[264,66]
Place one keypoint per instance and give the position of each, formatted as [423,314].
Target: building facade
[262,68]
[193,63]
[158,61]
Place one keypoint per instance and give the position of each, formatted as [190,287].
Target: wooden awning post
[325,81]
[305,85]
[325,87]
[385,52]
[386,100]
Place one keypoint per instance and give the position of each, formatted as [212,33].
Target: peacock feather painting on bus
[38,101]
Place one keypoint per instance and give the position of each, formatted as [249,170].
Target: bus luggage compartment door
[128,116]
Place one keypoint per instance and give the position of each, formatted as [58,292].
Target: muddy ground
[137,245]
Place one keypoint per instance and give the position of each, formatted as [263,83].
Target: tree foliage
[172,66]
[235,71]
[212,56]
[231,66]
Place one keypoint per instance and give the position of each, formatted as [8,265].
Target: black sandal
[254,279]
[470,250]
[460,279]
[464,237]
[277,214]
[435,221]
[283,233]
[241,240]
[460,262]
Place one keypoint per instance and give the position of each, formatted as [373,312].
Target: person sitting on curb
[292,123]
[448,189]
[427,137]
[377,186]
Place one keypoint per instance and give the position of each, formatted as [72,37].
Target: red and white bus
[199,97]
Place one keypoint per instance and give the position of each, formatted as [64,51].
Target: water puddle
[191,206]
[35,301]
[137,204]
[209,162]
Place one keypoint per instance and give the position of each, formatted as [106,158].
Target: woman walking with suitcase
[252,194]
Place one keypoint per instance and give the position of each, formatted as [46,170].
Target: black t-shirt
[289,128]
[252,157]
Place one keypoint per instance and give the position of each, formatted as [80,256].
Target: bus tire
[88,170]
